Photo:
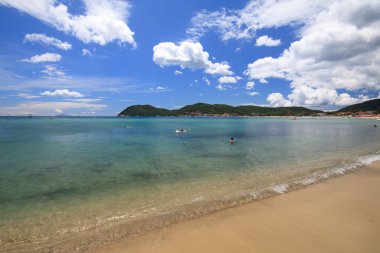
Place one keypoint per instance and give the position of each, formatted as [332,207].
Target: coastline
[337,215]
[88,219]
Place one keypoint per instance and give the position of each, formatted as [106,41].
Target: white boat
[180,131]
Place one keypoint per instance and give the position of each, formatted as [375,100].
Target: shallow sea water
[110,177]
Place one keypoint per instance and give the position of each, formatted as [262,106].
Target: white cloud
[177,73]
[43,39]
[250,85]
[94,83]
[338,51]
[237,50]
[263,80]
[278,100]
[27,96]
[190,55]
[58,110]
[256,15]
[228,79]
[103,21]
[86,52]
[159,88]
[206,81]
[304,95]
[253,93]
[46,57]
[220,87]
[267,41]
[54,73]
[62,93]
[218,68]
[310,97]
[46,108]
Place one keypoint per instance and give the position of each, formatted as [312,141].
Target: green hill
[216,109]
[145,111]
[371,105]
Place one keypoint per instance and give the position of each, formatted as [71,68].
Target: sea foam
[281,188]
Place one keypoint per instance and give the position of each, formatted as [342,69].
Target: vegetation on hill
[202,109]
[145,111]
[371,105]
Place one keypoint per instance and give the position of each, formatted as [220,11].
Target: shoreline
[110,234]
[336,215]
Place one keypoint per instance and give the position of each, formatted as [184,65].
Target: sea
[72,184]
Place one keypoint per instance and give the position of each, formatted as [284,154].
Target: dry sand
[339,215]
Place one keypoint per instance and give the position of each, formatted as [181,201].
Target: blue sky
[96,57]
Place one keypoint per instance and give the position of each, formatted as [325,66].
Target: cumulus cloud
[304,95]
[62,93]
[46,57]
[50,41]
[250,85]
[103,21]
[278,100]
[228,79]
[307,96]
[177,73]
[267,41]
[188,54]
[338,50]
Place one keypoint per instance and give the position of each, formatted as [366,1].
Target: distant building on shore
[365,114]
[344,113]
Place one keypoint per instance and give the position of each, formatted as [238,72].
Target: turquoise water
[63,177]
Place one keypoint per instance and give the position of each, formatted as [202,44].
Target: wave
[322,175]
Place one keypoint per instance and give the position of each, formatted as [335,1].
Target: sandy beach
[338,215]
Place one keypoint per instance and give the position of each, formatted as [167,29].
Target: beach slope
[339,215]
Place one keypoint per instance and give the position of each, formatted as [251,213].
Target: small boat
[180,131]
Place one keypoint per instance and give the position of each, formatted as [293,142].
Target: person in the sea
[232,141]
[374,125]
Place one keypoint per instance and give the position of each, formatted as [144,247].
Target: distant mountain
[202,109]
[371,105]
[145,111]
[62,115]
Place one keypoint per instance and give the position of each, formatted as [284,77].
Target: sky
[97,57]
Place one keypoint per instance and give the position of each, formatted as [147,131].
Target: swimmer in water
[232,141]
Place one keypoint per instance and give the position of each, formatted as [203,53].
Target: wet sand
[338,215]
